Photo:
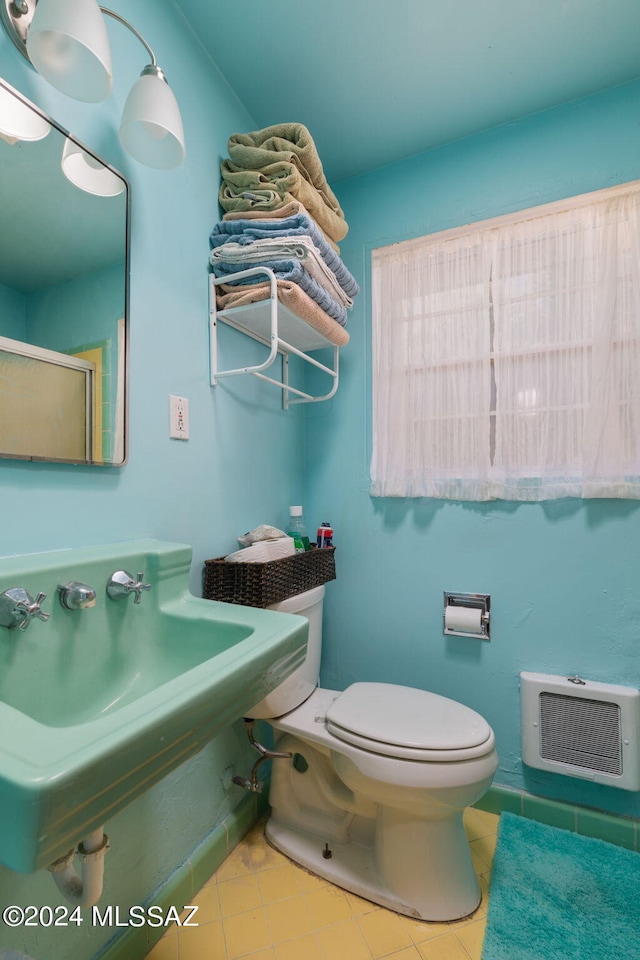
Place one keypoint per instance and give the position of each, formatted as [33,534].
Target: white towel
[263,551]
[281,248]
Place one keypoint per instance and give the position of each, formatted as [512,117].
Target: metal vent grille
[585,733]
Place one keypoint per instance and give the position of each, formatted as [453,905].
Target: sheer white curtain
[431,370]
[507,358]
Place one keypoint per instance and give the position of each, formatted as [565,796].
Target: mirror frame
[127,269]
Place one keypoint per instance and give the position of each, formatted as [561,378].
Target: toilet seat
[406,723]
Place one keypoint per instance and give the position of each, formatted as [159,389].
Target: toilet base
[359,866]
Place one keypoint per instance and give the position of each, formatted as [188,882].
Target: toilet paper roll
[463,619]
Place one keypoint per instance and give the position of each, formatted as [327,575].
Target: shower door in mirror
[64,217]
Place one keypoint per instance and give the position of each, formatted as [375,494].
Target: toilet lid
[406,720]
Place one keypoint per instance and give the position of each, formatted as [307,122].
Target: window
[506,356]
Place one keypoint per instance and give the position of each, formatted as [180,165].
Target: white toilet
[372,799]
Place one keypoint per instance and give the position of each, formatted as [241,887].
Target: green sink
[98,704]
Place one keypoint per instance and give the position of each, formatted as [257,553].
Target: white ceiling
[379,80]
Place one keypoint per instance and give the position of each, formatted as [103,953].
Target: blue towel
[246,231]
[285,270]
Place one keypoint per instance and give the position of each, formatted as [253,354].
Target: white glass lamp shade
[18,121]
[87,173]
[68,45]
[151,128]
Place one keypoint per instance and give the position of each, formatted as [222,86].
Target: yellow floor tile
[165,949]
[384,932]
[259,905]
[409,953]
[309,883]
[207,903]
[201,943]
[304,948]
[471,937]
[328,905]
[344,941]
[288,919]
[237,864]
[238,896]
[447,947]
[245,933]
[480,865]
[360,906]
[268,954]
[263,856]
[479,823]
[421,930]
[278,883]
[485,848]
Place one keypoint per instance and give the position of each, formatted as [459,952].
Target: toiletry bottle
[298,530]
[325,535]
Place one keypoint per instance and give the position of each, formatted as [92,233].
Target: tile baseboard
[622,831]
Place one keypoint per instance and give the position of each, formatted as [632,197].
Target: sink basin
[98,704]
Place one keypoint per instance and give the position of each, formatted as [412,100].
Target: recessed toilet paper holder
[478,628]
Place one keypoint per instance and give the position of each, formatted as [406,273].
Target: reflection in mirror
[63,293]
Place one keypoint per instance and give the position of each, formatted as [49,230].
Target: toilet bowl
[379,776]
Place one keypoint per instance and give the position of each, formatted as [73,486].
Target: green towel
[288,142]
[275,184]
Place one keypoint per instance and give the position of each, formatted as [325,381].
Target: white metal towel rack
[274,325]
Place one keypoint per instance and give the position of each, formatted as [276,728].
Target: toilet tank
[303,681]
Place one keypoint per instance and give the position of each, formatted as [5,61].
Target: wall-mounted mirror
[64,229]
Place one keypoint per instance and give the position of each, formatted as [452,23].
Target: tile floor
[261,906]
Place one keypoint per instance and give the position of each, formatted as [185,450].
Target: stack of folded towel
[270,167]
[282,214]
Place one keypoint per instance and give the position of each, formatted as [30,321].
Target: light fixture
[66,41]
[18,121]
[88,173]
[68,45]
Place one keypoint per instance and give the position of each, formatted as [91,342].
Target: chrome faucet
[76,596]
[18,608]
[121,584]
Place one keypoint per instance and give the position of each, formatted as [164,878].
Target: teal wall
[564,576]
[79,311]
[243,464]
[13,312]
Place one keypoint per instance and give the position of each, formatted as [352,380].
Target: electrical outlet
[178,418]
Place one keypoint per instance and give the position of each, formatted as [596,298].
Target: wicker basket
[261,584]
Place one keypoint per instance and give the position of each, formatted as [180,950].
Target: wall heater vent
[582,732]
[581,729]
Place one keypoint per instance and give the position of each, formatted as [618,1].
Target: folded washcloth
[286,270]
[288,209]
[289,142]
[298,225]
[285,178]
[291,296]
[267,197]
[336,279]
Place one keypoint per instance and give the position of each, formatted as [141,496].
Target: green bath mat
[558,896]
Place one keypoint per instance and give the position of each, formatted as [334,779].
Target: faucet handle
[18,608]
[121,584]
[139,586]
